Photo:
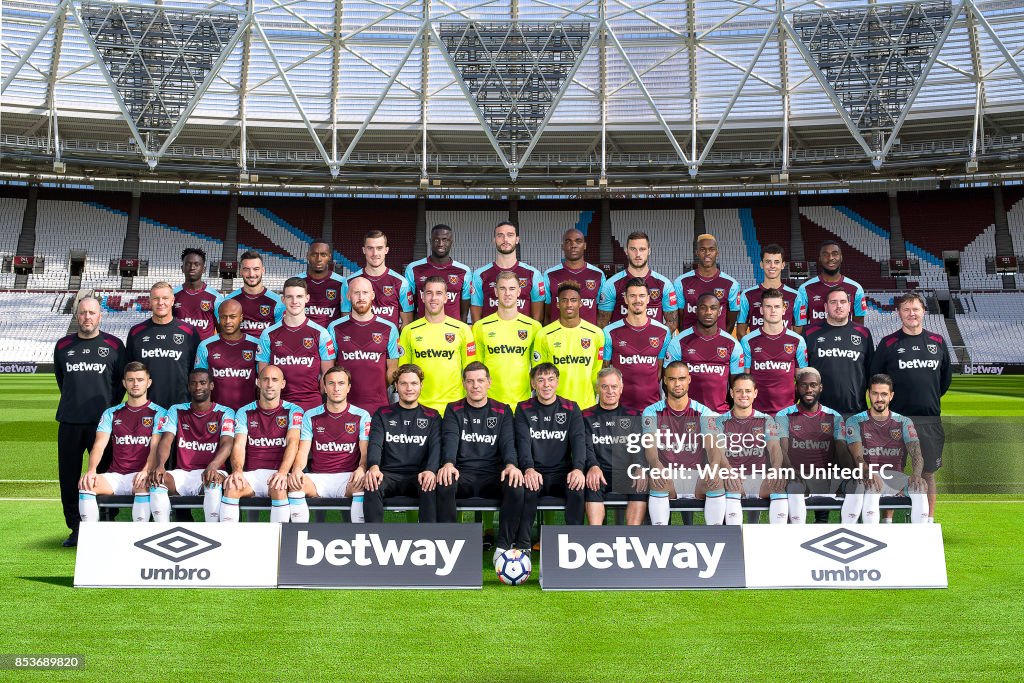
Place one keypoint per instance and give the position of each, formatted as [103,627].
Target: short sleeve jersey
[197,434]
[690,286]
[131,431]
[298,351]
[662,296]
[266,433]
[334,438]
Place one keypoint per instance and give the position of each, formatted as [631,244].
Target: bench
[318,507]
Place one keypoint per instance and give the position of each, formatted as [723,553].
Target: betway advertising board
[640,557]
[381,556]
[112,555]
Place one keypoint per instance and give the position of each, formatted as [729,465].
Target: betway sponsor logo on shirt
[918,364]
[839,353]
[473,437]
[548,434]
[197,445]
[87,367]
[161,353]
[131,440]
[708,368]
[198,323]
[321,310]
[447,354]
[359,354]
[638,359]
[493,303]
[335,447]
[305,361]
[232,373]
[414,439]
[784,365]
[809,445]
[265,442]
[569,359]
[383,311]
[509,349]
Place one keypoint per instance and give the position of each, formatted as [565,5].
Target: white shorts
[258,480]
[752,486]
[330,485]
[686,487]
[121,483]
[190,482]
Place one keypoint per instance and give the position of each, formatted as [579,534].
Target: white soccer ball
[513,567]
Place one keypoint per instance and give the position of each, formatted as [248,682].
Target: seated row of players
[481,449]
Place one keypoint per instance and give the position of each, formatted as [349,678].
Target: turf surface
[972,630]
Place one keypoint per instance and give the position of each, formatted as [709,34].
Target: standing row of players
[637,338]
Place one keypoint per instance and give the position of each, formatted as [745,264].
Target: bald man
[367,347]
[575,268]
[231,358]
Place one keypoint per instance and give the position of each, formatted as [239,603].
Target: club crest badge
[147,422]
[449,337]
[377,337]
[264,309]
[212,427]
[624,423]
[350,427]
[560,418]
[522,283]
[389,290]
[523,335]
[591,285]
[247,355]
[654,342]
[655,294]
[179,339]
[307,342]
[492,422]
[282,421]
[719,292]
[206,306]
[896,434]
[585,343]
[723,352]
[332,294]
[103,351]
[789,348]
[453,280]
[933,348]
[421,423]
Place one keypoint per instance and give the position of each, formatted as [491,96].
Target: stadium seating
[993,326]
[12,210]
[99,232]
[30,325]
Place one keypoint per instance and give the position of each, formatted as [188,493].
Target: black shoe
[71,541]
[488,541]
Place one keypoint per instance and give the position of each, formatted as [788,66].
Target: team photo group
[505,383]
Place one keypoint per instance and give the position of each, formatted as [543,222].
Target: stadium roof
[487,95]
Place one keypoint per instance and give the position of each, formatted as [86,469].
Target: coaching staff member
[919,364]
[165,345]
[89,367]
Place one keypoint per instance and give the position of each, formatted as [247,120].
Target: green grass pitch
[972,630]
